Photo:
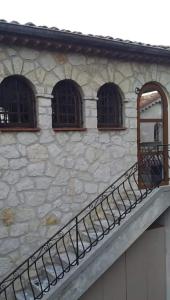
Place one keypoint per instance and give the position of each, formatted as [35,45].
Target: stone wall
[46,176]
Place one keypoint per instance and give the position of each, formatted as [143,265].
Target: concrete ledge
[77,281]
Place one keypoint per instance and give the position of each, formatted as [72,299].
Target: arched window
[152,134]
[17,103]
[109,106]
[66,105]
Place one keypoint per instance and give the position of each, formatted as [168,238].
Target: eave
[53,39]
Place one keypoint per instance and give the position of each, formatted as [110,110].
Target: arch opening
[153,132]
[67,105]
[109,106]
[17,103]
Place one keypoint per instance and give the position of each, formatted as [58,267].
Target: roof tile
[99,38]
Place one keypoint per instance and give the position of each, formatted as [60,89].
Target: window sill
[112,128]
[19,129]
[69,129]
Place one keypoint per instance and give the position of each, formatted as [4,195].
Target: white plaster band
[46,96]
[90,99]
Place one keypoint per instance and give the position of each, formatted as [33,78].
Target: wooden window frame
[109,108]
[18,102]
[67,105]
[150,87]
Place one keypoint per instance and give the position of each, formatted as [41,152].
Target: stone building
[54,161]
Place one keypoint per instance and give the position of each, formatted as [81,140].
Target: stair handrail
[132,183]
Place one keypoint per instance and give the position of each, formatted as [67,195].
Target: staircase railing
[164,151]
[65,249]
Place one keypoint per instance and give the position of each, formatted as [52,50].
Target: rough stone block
[46,137]
[4,190]
[7,138]
[62,178]
[11,177]
[50,79]
[45,121]
[27,138]
[3,232]
[6,265]
[37,153]
[18,163]
[9,151]
[40,74]
[24,214]
[51,170]
[36,169]
[18,229]
[17,64]
[54,192]
[76,59]
[54,150]
[91,122]
[28,67]
[8,66]
[81,165]
[42,182]
[47,61]
[90,188]
[24,184]
[52,219]
[44,209]
[34,198]
[3,163]
[28,54]
[59,71]
[9,245]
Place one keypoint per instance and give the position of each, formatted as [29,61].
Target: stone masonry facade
[47,176]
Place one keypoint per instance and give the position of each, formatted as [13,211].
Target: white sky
[144,21]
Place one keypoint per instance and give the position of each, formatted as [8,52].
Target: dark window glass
[66,105]
[17,103]
[109,106]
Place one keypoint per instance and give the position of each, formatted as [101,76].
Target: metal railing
[164,150]
[65,249]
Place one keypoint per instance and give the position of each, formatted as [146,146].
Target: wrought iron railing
[164,151]
[65,250]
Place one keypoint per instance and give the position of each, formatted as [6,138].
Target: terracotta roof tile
[30,24]
[105,45]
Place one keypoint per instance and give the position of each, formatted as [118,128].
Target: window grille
[109,106]
[66,105]
[17,103]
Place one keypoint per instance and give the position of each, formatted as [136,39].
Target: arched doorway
[152,130]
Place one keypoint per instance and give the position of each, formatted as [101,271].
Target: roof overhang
[54,39]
